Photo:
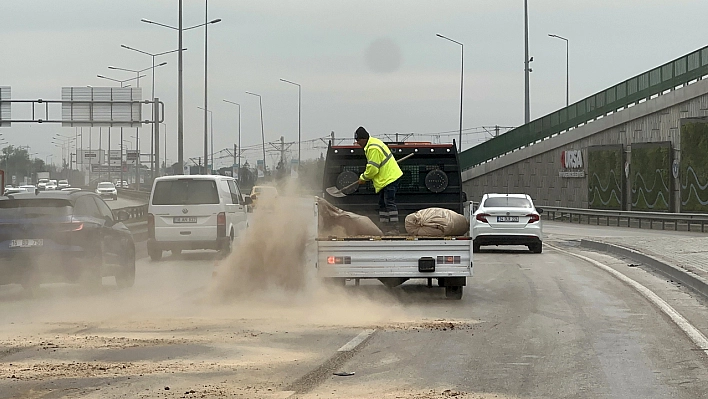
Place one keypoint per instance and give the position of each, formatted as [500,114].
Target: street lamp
[180,102]
[211,123]
[239,133]
[262,131]
[462,75]
[567,97]
[137,72]
[299,102]
[120,81]
[155,139]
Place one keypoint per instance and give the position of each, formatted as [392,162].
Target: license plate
[184,219]
[29,243]
[501,219]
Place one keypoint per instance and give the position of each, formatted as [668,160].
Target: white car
[51,185]
[194,212]
[42,183]
[507,219]
[107,189]
[28,188]
[62,184]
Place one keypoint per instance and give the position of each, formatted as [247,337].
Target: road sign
[101,106]
[131,157]
[105,168]
[5,114]
[92,157]
[114,157]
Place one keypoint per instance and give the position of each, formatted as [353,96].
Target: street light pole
[206,109]
[239,135]
[462,75]
[567,79]
[180,97]
[527,71]
[260,102]
[211,123]
[299,108]
[154,164]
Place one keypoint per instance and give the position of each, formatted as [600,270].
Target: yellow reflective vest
[381,166]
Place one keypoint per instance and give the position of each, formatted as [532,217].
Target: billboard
[91,157]
[101,106]
[114,157]
[5,108]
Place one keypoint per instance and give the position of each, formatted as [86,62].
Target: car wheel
[536,248]
[227,246]
[154,253]
[454,292]
[125,278]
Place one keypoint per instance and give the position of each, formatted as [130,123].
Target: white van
[194,212]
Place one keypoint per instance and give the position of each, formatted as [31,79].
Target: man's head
[361,136]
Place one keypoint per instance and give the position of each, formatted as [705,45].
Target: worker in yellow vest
[383,171]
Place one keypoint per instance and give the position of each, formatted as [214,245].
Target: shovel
[339,193]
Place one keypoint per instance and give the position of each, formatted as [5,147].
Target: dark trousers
[388,212]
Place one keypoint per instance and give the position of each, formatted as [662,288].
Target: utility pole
[496,131]
[282,151]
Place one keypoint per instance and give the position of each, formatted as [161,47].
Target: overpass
[639,145]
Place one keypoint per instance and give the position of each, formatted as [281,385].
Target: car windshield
[63,182]
[185,192]
[507,202]
[105,185]
[38,208]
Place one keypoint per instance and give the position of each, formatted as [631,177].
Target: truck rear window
[185,192]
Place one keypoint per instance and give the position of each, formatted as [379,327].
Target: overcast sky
[376,63]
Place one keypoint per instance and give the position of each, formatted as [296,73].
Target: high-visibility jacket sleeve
[374,158]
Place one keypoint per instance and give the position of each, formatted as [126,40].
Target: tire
[228,245]
[125,278]
[155,253]
[454,292]
[476,247]
[536,248]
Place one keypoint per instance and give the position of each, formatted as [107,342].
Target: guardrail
[134,194]
[601,217]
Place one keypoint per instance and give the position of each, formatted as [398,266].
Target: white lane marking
[356,341]
[693,333]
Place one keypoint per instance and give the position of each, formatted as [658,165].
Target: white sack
[337,222]
[436,222]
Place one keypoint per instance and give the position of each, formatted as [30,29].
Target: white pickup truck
[431,179]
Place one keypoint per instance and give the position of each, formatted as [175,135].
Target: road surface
[529,326]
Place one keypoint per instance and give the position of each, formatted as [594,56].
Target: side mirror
[247,200]
[122,216]
[539,210]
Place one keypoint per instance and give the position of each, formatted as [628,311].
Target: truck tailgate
[394,258]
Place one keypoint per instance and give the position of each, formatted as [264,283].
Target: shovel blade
[335,192]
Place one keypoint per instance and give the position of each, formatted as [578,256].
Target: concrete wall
[534,170]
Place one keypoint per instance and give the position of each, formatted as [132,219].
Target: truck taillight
[339,260]
[151,225]
[533,218]
[482,217]
[221,224]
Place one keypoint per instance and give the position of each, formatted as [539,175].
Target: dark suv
[62,236]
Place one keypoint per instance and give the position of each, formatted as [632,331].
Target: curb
[686,278]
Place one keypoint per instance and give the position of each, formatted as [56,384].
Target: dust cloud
[271,274]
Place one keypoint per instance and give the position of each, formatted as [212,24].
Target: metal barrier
[134,194]
[134,212]
[664,220]
[679,72]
